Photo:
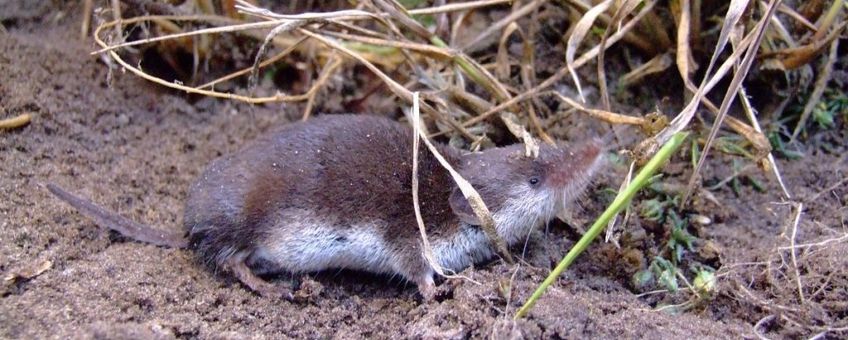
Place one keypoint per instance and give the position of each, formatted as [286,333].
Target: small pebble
[123,119]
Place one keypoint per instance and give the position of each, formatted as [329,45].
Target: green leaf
[643,279]
[652,210]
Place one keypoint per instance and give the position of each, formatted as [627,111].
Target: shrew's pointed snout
[567,165]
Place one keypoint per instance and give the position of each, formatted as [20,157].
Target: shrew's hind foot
[427,288]
[264,288]
[415,268]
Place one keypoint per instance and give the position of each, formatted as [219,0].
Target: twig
[15,122]
[800,209]
[222,29]
[427,250]
[764,303]
[283,27]
[609,117]
[752,117]
[822,243]
[834,186]
[116,15]
[502,65]
[394,32]
[531,146]
[657,64]
[636,39]
[469,66]
[87,7]
[500,24]
[265,63]
[735,174]
[798,17]
[429,50]
[684,51]
[614,219]
[509,294]
[760,324]
[829,18]
[328,70]
[423,11]
[362,30]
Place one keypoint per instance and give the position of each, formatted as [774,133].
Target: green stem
[621,201]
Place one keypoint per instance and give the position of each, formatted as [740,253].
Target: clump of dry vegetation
[800,286]
[494,70]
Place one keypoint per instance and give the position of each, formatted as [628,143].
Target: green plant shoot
[621,201]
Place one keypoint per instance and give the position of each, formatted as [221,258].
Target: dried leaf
[583,26]
[502,59]
[832,15]
[658,64]
[607,116]
[792,58]
[531,146]
[685,62]
[811,9]
[622,12]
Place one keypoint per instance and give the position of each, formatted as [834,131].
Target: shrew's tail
[122,225]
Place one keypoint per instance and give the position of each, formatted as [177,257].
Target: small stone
[123,119]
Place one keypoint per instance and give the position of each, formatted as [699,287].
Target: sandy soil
[134,148]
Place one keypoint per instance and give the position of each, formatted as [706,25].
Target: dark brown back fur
[348,168]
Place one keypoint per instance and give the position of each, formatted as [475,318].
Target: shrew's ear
[462,209]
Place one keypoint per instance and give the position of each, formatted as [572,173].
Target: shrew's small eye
[534,180]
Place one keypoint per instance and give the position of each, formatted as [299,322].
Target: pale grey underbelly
[303,242]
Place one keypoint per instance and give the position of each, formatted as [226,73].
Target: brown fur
[349,168]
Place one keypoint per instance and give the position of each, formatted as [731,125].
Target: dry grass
[801,287]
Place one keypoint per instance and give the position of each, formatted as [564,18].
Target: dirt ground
[135,148]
